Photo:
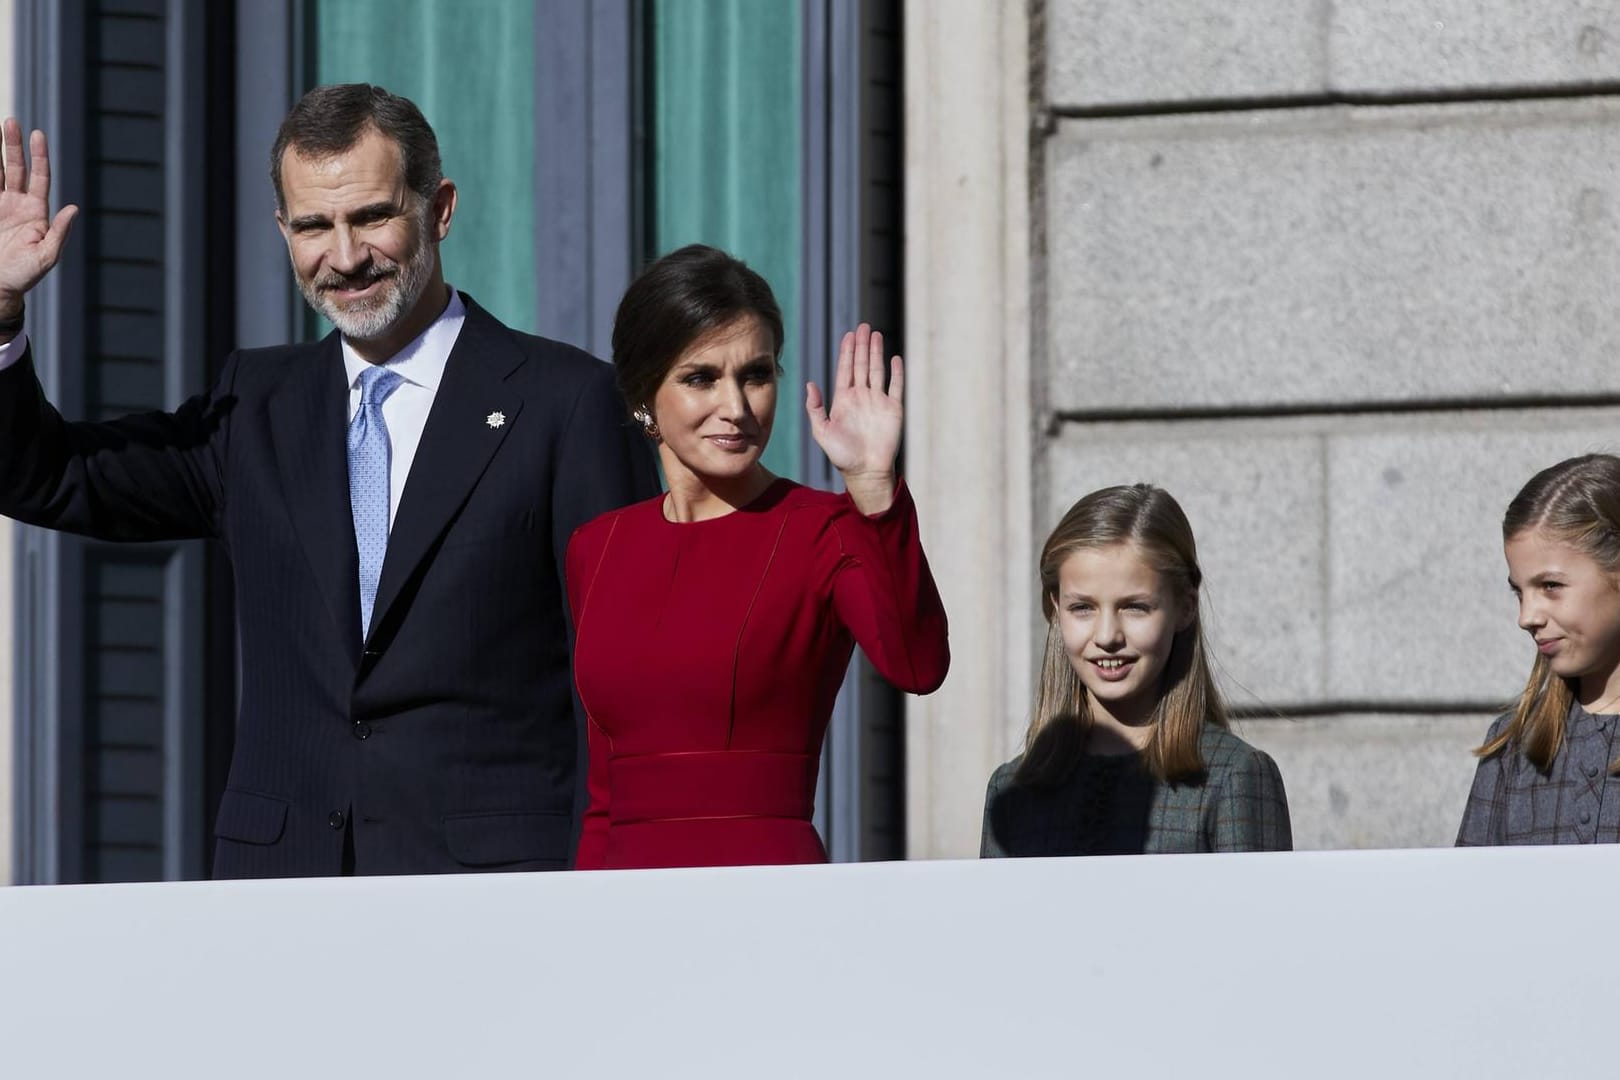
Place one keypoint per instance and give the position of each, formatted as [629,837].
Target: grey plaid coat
[1576,802]
[1114,806]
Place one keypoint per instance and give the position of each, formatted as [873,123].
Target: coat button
[1591,768]
[335,819]
[362,730]
[1586,817]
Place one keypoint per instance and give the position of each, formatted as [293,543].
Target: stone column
[969,436]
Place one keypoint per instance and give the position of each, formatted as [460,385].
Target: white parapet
[1318,964]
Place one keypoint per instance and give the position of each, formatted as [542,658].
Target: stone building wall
[1339,275]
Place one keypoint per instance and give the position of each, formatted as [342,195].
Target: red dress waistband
[716,784]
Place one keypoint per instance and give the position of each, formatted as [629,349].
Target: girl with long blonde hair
[1547,773]
[1129,750]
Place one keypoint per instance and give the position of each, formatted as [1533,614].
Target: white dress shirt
[405,412]
[12,351]
[421,365]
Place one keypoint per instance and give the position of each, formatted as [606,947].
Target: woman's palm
[861,433]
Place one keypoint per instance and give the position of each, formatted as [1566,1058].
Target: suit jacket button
[335,819]
[362,730]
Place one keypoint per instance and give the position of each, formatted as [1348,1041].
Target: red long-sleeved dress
[708,654]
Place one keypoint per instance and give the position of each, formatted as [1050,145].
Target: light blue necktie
[368,482]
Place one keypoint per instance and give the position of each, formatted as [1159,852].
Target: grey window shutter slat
[123,715]
[135,680]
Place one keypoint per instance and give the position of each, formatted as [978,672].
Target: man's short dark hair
[330,119]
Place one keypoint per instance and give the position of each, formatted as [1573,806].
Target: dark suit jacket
[447,740]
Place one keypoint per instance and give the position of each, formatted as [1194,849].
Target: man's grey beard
[371,319]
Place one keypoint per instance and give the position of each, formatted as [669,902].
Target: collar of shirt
[422,361]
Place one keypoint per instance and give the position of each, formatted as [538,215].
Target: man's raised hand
[30,239]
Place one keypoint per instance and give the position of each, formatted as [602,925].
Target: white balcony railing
[1484,963]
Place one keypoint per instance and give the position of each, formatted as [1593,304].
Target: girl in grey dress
[1547,768]
[1129,750]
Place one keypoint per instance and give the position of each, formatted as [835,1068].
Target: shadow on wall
[1372,781]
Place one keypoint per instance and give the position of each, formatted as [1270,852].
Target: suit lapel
[308,418]
[463,432]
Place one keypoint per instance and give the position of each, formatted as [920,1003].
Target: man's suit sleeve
[590,854]
[150,476]
[604,463]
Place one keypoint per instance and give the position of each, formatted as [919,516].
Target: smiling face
[715,406]
[1118,618]
[364,247]
[1571,607]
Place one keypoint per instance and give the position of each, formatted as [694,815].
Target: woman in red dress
[714,623]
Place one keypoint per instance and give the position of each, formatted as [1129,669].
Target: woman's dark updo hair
[677,300]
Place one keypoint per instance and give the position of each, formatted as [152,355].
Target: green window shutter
[469,66]
[726,154]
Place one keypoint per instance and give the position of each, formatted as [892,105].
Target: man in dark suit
[396,501]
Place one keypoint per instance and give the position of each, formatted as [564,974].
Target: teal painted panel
[469,66]
[726,155]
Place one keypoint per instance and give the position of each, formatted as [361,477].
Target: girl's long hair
[1577,502]
[1147,518]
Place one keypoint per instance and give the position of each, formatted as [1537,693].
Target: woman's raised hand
[861,435]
